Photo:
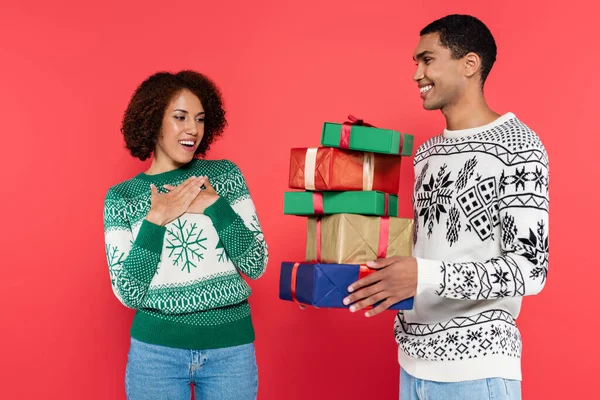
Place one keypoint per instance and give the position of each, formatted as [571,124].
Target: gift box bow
[346,131]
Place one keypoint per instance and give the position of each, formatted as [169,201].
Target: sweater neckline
[462,133]
[169,175]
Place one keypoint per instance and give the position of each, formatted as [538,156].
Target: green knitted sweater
[184,278]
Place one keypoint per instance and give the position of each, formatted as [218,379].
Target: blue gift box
[324,285]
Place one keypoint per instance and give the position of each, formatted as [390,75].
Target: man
[480,230]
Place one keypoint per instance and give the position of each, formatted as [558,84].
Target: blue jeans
[164,373]
[412,388]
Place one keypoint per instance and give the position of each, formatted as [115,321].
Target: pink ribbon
[386,204]
[347,128]
[318,208]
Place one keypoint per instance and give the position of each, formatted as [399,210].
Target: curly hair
[143,117]
[463,34]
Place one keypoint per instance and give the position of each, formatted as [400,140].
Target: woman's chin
[183,159]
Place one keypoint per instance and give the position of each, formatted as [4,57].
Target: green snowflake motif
[254,225]
[223,256]
[185,245]
[115,259]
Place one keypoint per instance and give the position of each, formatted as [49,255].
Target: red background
[68,71]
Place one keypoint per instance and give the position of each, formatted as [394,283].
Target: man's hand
[204,199]
[394,281]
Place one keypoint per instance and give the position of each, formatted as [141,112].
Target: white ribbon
[310,163]
[368,171]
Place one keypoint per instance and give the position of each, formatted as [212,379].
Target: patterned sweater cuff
[429,275]
[221,214]
[151,237]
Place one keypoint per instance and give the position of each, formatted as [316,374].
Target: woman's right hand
[167,207]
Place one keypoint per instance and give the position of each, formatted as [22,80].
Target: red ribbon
[347,128]
[363,272]
[318,203]
[345,136]
[293,285]
[384,234]
[355,121]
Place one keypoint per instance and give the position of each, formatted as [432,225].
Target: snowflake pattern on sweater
[187,273]
[481,242]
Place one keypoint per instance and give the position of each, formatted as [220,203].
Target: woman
[177,237]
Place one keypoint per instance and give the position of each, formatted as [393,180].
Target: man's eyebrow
[422,54]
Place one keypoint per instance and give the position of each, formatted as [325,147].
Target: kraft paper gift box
[324,285]
[353,202]
[358,135]
[355,239]
[331,169]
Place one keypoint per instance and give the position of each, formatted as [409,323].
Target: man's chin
[431,106]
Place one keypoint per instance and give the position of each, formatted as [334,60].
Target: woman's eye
[200,120]
[179,118]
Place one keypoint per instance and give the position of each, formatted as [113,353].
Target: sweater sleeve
[238,226]
[132,262]
[522,267]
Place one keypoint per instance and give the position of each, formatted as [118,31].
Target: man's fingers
[380,308]
[368,302]
[382,262]
[366,281]
[363,293]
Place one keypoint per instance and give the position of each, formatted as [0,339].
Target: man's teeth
[187,142]
[426,89]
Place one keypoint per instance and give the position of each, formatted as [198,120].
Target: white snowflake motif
[185,245]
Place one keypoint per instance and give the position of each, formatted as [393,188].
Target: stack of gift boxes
[347,189]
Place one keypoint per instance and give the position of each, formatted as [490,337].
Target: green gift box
[351,202]
[357,135]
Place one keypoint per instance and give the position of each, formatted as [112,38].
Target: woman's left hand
[204,199]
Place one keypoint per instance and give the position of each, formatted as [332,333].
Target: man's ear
[472,64]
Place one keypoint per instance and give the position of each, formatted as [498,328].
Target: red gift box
[333,169]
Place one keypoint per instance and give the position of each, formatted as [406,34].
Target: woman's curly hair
[143,117]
